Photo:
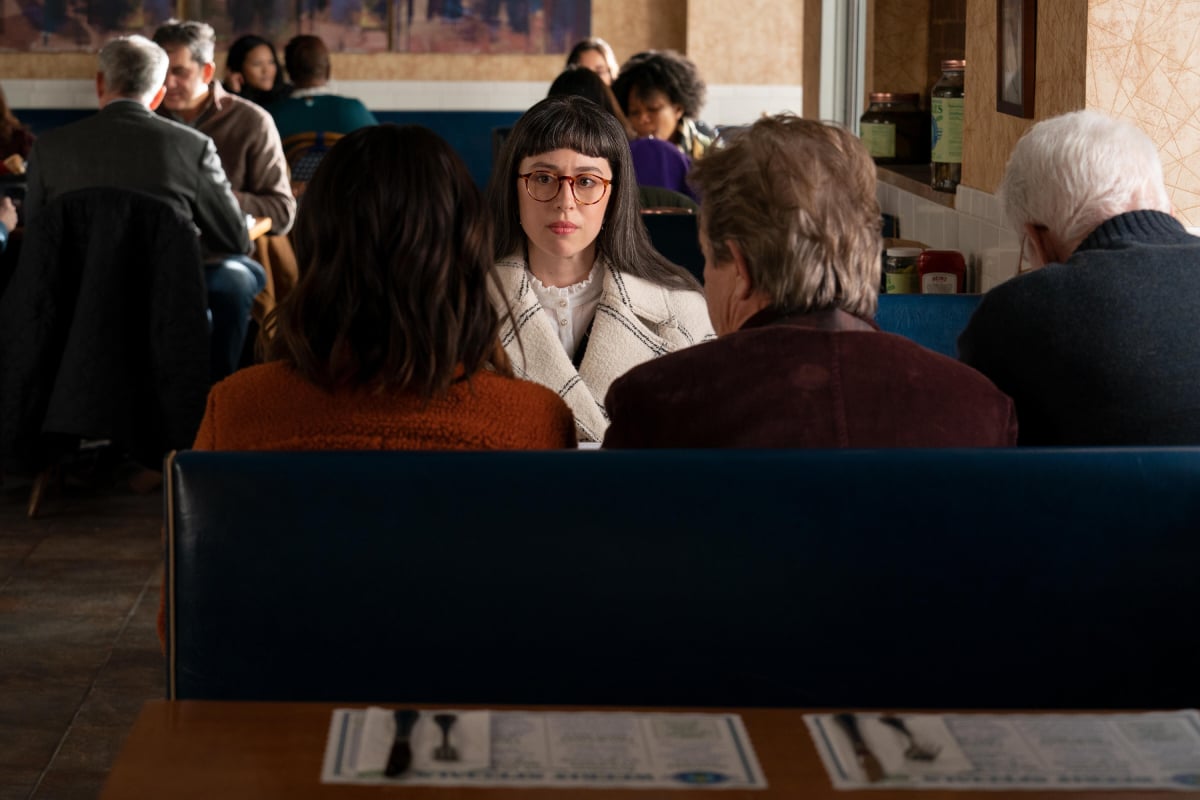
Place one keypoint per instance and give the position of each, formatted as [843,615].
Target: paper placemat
[553,748]
[1155,750]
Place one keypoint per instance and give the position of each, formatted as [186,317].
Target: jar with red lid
[941,272]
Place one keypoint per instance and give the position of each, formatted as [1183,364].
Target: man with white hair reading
[1098,345]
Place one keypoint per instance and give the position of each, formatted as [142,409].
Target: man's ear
[1043,243]
[99,85]
[207,72]
[158,97]
[745,285]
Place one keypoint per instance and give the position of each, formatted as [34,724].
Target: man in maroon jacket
[790,235]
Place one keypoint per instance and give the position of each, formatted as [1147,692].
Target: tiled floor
[78,651]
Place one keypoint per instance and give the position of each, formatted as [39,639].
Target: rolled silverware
[400,757]
[869,762]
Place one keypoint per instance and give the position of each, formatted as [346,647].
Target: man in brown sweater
[245,134]
[251,153]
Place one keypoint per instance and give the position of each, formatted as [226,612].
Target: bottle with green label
[946,133]
[893,128]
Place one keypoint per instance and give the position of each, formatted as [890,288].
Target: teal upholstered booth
[923,579]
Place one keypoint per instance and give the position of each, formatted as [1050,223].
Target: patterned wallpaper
[1143,65]
[754,41]
[901,39]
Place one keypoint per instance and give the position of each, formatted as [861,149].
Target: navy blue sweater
[1105,348]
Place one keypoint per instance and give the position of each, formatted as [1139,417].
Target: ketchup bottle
[941,272]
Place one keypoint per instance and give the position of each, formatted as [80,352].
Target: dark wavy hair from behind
[583,82]
[235,59]
[395,251]
[666,71]
[570,122]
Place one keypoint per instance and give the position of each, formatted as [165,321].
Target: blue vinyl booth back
[931,320]
[907,578]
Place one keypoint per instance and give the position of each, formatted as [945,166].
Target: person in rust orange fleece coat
[389,340]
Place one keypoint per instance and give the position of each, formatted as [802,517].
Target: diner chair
[303,152]
[675,233]
[103,333]
[499,136]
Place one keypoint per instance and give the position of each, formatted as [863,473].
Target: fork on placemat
[916,751]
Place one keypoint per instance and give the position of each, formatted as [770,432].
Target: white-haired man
[1098,345]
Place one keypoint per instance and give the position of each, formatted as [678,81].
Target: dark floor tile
[89,571]
[28,748]
[89,600]
[9,567]
[145,615]
[16,545]
[71,785]
[16,783]
[135,668]
[98,545]
[89,748]
[114,707]
[49,648]
[40,706]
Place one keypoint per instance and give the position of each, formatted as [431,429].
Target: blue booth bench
[1009,578]
[931,320]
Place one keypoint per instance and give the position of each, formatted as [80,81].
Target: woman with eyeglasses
[590,296]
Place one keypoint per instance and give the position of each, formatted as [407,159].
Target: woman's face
[597,63]
[562,229]
[653,114]
[259,68]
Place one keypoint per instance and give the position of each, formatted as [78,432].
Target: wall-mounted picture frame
[1016,56]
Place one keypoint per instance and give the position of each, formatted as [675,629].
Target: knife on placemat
[400,757]
[866,759]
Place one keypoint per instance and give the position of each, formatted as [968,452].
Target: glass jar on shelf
[946,129]
[894,129]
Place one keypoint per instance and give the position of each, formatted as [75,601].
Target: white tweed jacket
[635,321]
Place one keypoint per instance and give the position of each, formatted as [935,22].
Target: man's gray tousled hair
[1071,173]
[798,197]
[133,67]
[198,37]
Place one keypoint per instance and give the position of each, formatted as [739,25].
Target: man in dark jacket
[790,236]
[1097,346]
[127,146]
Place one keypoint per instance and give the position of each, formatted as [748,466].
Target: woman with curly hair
[662,94]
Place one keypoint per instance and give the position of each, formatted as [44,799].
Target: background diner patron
[1098,346]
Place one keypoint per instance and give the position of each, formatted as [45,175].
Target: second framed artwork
[1016,56]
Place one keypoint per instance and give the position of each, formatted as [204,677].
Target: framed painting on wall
[1016,56]
[63,26]
[532,27]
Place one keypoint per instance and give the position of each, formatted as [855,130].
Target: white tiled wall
[976,227]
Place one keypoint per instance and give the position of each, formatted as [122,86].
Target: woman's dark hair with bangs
[576,123]
[395,252]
